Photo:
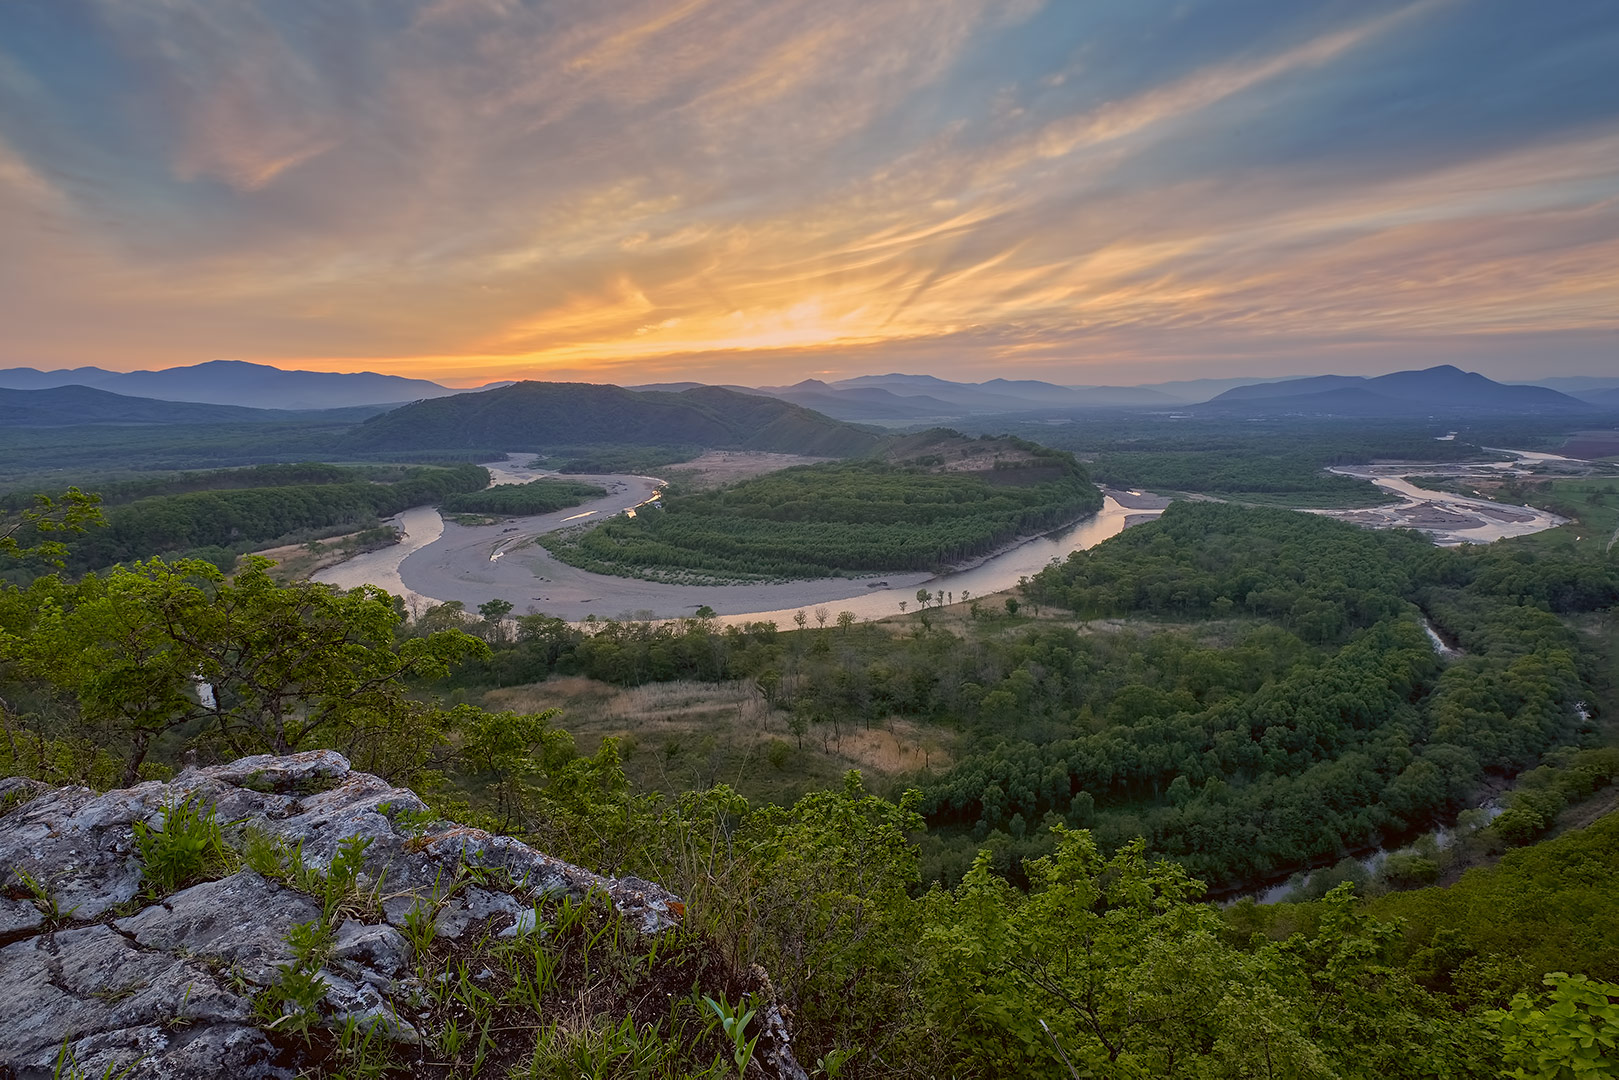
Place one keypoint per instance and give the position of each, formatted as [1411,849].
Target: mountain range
[237,382]
[69,406]
[927,397]
[1402,393]
[893,399]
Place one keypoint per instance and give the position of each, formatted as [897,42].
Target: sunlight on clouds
[1204,88]
[485,188]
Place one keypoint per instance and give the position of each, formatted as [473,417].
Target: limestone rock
[18,918]
[238,923]
[164,986]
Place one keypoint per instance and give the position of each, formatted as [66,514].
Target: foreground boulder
[371,930]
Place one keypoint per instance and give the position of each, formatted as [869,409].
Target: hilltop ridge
[1441,388]
[237,382]
[533,414]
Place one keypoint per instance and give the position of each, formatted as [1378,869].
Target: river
[1372,862]
[995,574]
[441,562]
[421,526]
[1447,517]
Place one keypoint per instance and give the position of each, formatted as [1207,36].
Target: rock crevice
[100,969]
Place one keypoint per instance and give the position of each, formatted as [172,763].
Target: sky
[759,191]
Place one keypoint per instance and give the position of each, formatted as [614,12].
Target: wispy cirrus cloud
[492,188]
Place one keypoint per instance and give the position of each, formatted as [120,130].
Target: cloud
[488,187]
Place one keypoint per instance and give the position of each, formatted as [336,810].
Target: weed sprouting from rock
[189,846]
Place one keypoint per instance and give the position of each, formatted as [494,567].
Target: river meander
[441,561]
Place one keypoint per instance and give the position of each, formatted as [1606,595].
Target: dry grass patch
[720,467]
[898,746]
[677,736]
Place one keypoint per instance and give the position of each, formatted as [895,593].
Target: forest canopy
[222,514]
[1064,940]
[534,497]
[838,518]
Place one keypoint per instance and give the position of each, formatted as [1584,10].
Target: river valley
[441,561]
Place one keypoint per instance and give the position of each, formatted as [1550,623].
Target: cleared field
[720,467]
[682,735]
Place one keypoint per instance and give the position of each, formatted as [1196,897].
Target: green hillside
[536,414]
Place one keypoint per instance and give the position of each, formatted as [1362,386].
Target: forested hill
[65,406]
[538,414]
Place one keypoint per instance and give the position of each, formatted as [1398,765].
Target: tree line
[222,522]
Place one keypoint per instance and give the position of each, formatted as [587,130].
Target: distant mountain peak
[241,383]
[1442,388]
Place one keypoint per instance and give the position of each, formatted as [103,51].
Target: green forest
[1278,460]
[1280,705]
[267,504]
[1209,701]
[534,497]
[837,518]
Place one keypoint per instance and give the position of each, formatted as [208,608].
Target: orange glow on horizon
[588,193]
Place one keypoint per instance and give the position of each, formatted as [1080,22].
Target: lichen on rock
[103,973]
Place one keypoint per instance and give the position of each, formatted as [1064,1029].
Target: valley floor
[442,561]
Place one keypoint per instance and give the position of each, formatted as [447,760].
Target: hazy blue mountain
[1574,385]
[1402,393]
[1009,396]
[536,414]
[903,398]
[863,404]
[67,406]
[27,378]
[1190,391]
[1000,395]
[1313,384]
[920,384]
[237,382]
[963,398]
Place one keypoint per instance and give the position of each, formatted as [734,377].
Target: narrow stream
[1371,863]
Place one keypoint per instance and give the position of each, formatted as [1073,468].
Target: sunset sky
[756,191]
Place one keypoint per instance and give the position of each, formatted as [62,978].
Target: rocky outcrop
[101,972]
